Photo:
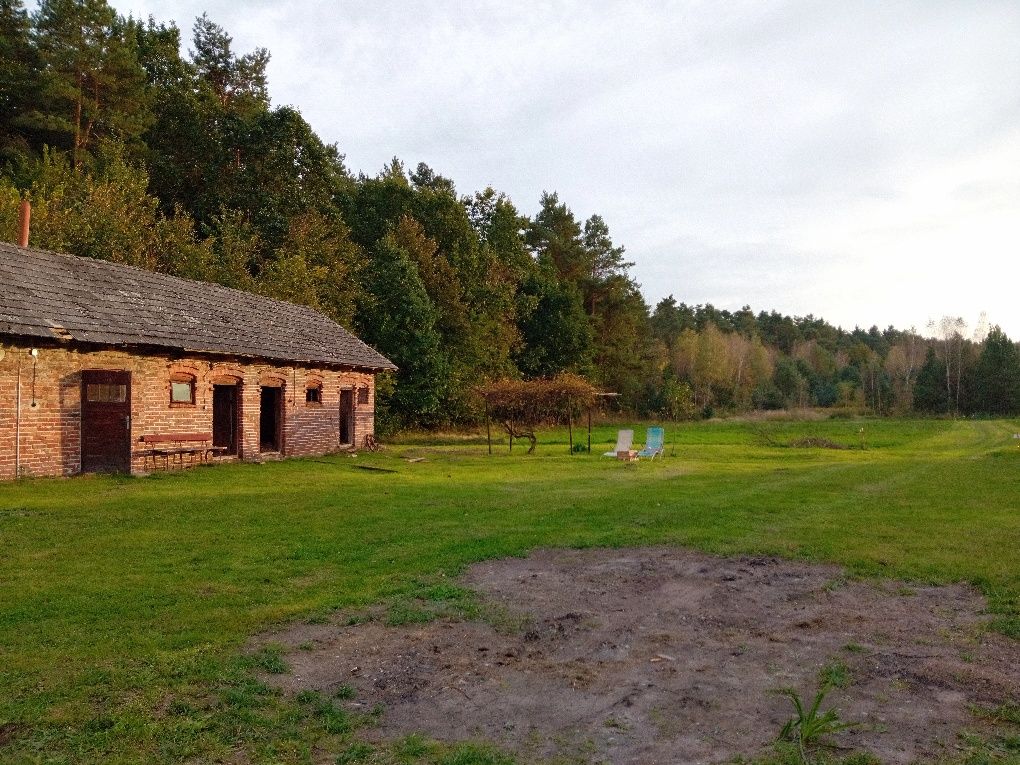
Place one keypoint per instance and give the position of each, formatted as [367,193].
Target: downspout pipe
[17,426]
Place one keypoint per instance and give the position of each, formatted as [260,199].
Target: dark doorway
[270,416]
[224,417]
[346,418]
[105,422]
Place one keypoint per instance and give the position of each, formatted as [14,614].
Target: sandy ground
[663,655]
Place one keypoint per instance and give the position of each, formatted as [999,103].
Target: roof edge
[57,342]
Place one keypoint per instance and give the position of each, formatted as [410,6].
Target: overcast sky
[858,161]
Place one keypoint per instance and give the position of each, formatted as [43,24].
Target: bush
[767,396]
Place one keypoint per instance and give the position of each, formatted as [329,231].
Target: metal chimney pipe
[24,219]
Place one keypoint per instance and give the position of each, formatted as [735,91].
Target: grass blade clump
[810,725]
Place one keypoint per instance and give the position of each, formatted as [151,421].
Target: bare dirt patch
[664,655]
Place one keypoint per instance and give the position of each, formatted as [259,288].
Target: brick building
[98,359]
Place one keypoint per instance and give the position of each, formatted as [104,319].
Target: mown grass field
[125,602]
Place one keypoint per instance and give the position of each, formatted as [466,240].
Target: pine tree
[996,376]
[555,238]
[93,85]
[19,79]
[238,82]
[930,388]
[605,262]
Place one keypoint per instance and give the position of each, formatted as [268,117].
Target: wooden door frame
[238,419]
[279,417]
[352,393]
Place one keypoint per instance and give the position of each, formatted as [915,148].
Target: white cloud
[856,161]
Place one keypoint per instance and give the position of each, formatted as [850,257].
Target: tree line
[131,151]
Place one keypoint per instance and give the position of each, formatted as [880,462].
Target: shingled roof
[63,297]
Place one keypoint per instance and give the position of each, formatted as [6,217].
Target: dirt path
[663,655]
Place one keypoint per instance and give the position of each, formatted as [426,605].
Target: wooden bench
[174,447]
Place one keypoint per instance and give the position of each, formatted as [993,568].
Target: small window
[182,390]
[106,393]
[313,394]
[363,395]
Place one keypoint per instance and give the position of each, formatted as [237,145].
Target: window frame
[182,378]
[316,387]
[106,393]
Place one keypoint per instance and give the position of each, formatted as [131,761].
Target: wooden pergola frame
[570,423]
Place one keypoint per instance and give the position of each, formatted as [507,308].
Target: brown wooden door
[106,422]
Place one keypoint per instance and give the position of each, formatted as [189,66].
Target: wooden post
[589,430]
[570,429]
[488,429]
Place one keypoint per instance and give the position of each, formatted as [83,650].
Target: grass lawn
[124,602]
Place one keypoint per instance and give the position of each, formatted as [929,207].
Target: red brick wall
[50,432]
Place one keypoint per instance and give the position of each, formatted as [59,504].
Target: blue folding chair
[654,443]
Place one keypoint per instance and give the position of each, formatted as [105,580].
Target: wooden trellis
[521,406]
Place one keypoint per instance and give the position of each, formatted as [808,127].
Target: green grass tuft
[356,752]
[270,659]
[835,674]
[475,754]
[345,692]
[412,747]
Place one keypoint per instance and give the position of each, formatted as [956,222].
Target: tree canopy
[133,151]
